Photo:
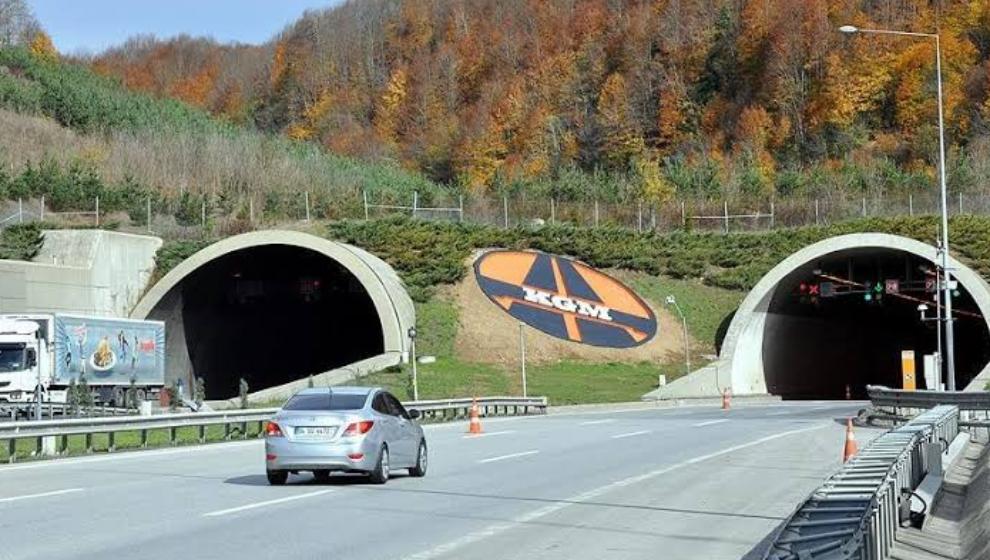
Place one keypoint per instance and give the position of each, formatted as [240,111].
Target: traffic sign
[892,286]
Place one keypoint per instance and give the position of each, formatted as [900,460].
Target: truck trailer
[48,352]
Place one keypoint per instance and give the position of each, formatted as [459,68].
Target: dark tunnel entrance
[273,314]
[836,321]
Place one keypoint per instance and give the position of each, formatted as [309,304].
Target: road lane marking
[596,422]
[709,423]
[491,531]
[630,434]
[256,505]
[782,413]
[41,495]
[487,434]
[509,456]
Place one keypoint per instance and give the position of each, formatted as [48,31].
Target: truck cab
[25,360]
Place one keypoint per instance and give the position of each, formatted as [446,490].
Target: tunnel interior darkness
[273,314]
[815,343]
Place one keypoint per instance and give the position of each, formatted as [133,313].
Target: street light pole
[522,355]
[950,354]
[412,349]
[671,300]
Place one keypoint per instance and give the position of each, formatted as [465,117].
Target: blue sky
[93,25]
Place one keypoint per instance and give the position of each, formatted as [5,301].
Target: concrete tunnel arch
[749,361]
[271,289]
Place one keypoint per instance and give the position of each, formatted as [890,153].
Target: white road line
[709,423]
[487,434]
[595,422]
[630,434]
[41,495]
[509,456]
[476,536]
[782,413]
[266,503]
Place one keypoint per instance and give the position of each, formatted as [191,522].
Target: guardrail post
[172,435]
[244,430]
[202,433]
[11,450]
[111,441]
[89,442]
[63,447]
[144,439]
[226,431]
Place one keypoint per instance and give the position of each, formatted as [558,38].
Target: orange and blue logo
[565,298]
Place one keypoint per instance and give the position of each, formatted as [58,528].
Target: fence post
[505,210]
[553,211]
[596,212]
[251,210]
[910,205]
[725,206]
[864,206]
[415,203]
[20,211]
[306,199]
[639,223]
[653,218]
[960,203]
[772,215]
[364,194]
[42,208]
[816,212]
[683,216]
[202,214]
[97,211]
[460,204]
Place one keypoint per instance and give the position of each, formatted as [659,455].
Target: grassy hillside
[71,135]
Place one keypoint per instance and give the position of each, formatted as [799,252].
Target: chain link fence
[205,216]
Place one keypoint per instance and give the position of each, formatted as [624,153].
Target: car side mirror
[32,358]
[415,414]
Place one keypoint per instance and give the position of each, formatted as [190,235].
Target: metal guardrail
[855,514]
[234,422]
[899,399]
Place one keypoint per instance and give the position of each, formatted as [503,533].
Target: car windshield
[11,357]
[326,401]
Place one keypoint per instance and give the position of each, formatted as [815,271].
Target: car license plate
[315,432]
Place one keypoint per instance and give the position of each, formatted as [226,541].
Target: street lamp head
[922,307]
[849,29]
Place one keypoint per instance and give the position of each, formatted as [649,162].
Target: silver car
[344,429]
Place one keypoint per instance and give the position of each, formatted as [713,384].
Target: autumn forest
[618,99]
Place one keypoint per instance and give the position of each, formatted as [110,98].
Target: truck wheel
[277,478]
[117,398]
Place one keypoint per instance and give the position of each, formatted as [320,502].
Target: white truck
[49,352]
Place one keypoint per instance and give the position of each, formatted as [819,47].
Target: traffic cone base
[850,448]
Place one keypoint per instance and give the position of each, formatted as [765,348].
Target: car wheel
[421,461]
[277,478]
[381,472]
[321,475]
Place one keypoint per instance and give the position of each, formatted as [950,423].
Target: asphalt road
[683,483]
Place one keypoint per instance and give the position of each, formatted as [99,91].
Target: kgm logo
[565,298]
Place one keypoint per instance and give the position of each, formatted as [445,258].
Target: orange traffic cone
[475,426]
[726,400]
[850,448]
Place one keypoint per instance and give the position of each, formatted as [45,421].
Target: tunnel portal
[845,318]
[274,307]
[273,314]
